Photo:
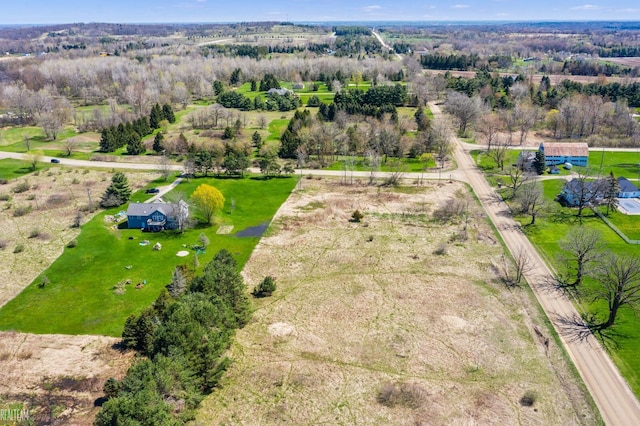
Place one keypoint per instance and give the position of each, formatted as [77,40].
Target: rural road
[376,35]
[613,396]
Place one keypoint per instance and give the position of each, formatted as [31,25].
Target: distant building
[560,153]
[627,189]
[156,216]
[282,91]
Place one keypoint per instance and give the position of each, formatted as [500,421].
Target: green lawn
[276,128]
[553,227]
[80,298]
[360,164]
[11,169]
[625,164]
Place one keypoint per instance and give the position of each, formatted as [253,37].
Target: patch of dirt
[57,378]
[54,198]
[375,323]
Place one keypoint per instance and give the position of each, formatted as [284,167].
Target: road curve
[611,393]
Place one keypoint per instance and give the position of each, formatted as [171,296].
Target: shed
[576,153]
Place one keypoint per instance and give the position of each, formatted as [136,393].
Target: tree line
[181,338]
[130,134]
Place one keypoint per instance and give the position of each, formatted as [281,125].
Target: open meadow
[399,319]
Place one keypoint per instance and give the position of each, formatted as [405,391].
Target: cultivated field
[395,320]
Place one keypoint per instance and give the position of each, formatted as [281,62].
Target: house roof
[147,209]
[625,185]
[559,149]
[576,186]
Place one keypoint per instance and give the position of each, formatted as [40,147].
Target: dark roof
[625,185]
[147,209]
[575,186]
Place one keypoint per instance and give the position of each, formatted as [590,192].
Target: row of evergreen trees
[183,337]
[130,134]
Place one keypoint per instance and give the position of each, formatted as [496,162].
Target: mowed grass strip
[80,297]
[11,168]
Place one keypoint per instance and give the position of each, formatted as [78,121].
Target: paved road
[616,402]
[445,174]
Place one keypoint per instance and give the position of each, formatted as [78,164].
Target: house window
[157,217]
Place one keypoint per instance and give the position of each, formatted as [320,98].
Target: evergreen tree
[539,162]
[218,87]
[158,143]
[155,117]
[178,283]
[107,142]
[422,120]
[254,85]
[167,113]
[118,192]
[612,188]
[256,139]
[134,144]
[265,288]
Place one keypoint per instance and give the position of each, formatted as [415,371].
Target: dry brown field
[397,320]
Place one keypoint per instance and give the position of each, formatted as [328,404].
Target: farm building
[627,189]
[560,153]
[156,216]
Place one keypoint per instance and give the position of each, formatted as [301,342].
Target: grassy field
[625,164]
[80,297]
[389,321]
[408,165]
[11,169]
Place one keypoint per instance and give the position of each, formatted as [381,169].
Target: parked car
[55,160]
[152,191]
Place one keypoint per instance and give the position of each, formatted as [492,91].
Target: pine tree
[107,143]
[256,139]
[168,114]
[117,193]
[158,143]
[539,162]
[155,117]
[611,192]
[134,144]
[178,283]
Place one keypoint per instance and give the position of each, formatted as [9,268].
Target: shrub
[265,288]
[409,395]
[21,187]
[72,244]
[529,398]
[21,211]
[5,197]
[3,181]
[441,250]
[35,233]
[3,244]
[44,280]
[356,216]
[31,197]
[111,388]
[75,181]
[19,248]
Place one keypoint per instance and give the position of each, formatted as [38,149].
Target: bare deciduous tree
[531,199]
[499,152]
[465,109]
[581,248]
[619,285]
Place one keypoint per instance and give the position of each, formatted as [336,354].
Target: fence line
[615,228]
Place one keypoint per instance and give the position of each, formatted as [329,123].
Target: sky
[128,11]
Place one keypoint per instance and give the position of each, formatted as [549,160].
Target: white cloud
[502,15]
[587,7]
[460,6]
[629,10]
[372,8]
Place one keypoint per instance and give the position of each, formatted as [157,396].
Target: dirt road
[616,402]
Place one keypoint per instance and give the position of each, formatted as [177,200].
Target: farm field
[390,321]
[106,255]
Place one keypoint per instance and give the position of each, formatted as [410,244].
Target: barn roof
[559,149]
